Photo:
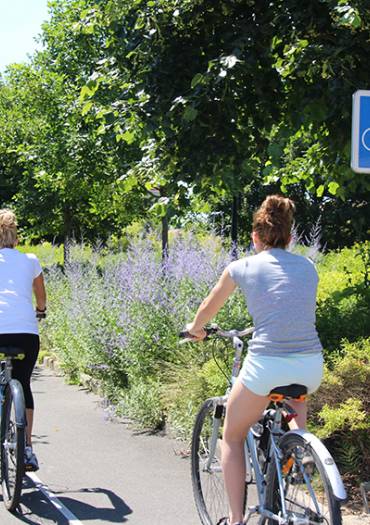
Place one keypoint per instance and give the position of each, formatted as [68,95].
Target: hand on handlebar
[189,334]
[196,334]
[40,314]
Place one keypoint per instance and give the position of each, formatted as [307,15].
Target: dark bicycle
[12,429]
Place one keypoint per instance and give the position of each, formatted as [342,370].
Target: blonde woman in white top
[20,278]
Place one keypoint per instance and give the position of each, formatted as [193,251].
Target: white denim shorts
[262,373]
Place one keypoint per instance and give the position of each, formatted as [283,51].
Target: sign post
[360,157]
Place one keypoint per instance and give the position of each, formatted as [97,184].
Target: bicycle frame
[253,467]
[5,377]
[252,463]
[7,381]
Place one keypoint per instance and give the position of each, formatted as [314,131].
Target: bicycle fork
[220,403]
[217,418]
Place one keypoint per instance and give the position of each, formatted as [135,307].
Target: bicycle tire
[12,449]
[208,486]
[298,500]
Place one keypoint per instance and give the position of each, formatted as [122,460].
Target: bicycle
[294,477]
[12,429]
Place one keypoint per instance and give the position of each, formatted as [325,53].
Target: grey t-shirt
[280,292]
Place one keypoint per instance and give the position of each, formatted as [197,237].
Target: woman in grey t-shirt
[280,292]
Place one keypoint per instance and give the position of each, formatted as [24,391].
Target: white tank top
[17,272]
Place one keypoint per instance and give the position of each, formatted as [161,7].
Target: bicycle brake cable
[217,363]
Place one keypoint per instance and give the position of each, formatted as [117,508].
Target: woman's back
[17,272]
[280,291]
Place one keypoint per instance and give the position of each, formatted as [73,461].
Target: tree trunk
[234,227]
[164,237]
[67,216]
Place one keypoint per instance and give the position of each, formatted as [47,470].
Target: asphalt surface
[95,470]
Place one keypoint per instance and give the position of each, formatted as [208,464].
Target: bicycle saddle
[11,351]
[293,391]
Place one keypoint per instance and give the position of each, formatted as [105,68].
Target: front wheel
[12,448]
[307,491]
[206,472]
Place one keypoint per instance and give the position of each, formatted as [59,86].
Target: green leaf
[159,208]
[317,110]
[85,93]
[348,16]
[190,113]
[140,23]
[88,29]
[197,79]
[320,190]
[128,183]
[127,136]
[275,152]
[86,108]
[333,187]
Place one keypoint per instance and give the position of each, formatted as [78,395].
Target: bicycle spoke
[207,474]
[307,493]
[12,453]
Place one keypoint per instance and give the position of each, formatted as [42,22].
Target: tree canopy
[140,108]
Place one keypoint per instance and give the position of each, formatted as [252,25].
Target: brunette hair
[8,229]
[273,221]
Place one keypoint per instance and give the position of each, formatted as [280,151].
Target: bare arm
[40,292]
[212,304]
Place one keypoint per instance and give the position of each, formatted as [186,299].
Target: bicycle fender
[19,404]
[327,461]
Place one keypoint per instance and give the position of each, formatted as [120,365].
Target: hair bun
[273,220]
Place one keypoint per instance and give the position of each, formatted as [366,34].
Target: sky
[20,22]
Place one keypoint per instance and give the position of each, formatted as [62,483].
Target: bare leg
[244,408]
[301,410]
[29,416]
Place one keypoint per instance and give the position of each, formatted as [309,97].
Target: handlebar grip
[184,334]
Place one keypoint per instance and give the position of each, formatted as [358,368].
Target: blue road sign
[360,158]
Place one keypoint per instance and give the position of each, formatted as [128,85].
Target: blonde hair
[273,221]
[8,229]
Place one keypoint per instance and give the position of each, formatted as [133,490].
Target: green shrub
[343,309]
[340,409]
[142,404]
[190,383]
[123,310]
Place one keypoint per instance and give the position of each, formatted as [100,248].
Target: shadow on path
[115,513]
[36,507]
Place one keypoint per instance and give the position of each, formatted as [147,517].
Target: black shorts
[22,369]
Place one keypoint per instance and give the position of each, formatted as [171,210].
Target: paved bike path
[95,470]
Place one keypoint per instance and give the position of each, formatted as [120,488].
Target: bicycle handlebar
[40,314]
[216,330]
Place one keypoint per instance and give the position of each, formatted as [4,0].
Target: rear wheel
[307,491]
[12,452]
[206,472]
